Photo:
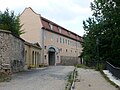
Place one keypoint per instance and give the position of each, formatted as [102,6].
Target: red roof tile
[64,31]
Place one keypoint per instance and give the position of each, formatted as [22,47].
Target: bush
[31,66]
[4,76]
[100,67]
[81,66]
[41,65]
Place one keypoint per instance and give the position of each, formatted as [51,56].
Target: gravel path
[92,80]
[51,78]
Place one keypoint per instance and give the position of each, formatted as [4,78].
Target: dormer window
[51,26]
[59,29]
[68,33]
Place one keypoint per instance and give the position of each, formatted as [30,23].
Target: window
[59,29]
[60,40]
[60,49]
[70,43]
[66,50]
[51,26]
[44,35]
[66,41]
[45,47]
[45,56]
[71,50]
[57,57]
[63,40]
[57,39]
[52,38]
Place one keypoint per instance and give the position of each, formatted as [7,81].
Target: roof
[36,45]
[46,25]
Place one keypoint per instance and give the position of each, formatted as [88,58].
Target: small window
[57,39]
[60,40]
[57,57]
[45,47]
[61,49]
[59,29]
[45,56]
[51,26]
[52,38]
[66,50]
[63,40]
[44,35]
[66,41]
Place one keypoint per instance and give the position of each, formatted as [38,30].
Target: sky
[66,13]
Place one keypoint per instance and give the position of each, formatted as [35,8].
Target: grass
[69,81]
[81,66]
[71,78]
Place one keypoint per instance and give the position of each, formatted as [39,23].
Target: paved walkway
[92,80]
[52,78]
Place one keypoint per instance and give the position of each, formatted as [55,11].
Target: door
[51,58]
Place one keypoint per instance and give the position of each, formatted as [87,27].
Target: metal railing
[114,70]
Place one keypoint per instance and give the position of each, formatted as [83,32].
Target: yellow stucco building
[32,55]
[59,45]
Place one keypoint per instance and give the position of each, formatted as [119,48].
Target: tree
[104,25]
[9,21]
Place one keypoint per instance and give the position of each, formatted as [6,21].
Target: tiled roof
[46,25]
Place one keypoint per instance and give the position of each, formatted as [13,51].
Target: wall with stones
[69,61]
[11,51]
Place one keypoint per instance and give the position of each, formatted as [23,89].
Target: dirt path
[52,78]
[92,80]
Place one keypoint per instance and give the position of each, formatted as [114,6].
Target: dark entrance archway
[51,56]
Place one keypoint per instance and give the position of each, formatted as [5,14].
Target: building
[59,45]
[16,54]
[32,55]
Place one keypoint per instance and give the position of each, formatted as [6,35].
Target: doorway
[51,56]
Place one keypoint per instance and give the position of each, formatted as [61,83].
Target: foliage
[4,76]
[81,66]
[71,78]
[102,37]
[31,66]
[9,21]
[100,67]
[41,65]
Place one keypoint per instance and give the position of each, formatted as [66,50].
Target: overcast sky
[67,13]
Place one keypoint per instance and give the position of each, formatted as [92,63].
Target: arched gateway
[51,56]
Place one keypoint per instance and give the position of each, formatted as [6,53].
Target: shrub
[4,76]
[81,66]
[31,66]
[100,67]
[41,65]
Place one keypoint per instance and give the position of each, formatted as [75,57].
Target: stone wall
[11,51]
[69,61]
